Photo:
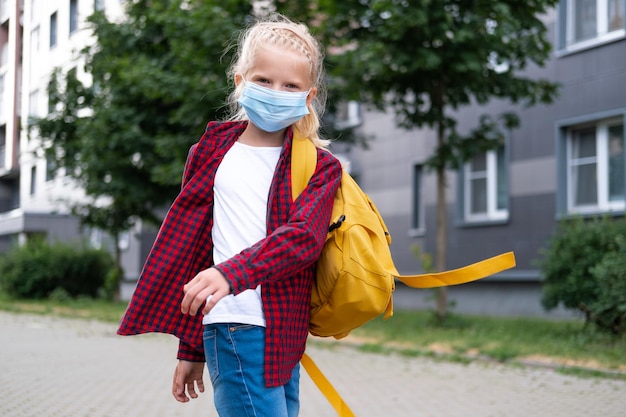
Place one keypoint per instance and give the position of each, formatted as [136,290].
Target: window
[2,81]
[4,10]
[53,29]
[348,115]
[51,167]
[52,90]
[595,167]
[95,238]
[123,241]
[417,216]
[34,8]
[33,103]
[486,187]
[4,54]
[587,23]
[73,15]
[3,138]
[34,39]
[33,180]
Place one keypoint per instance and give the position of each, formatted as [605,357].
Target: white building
[37,36]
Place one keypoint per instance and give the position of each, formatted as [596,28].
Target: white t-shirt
[241,190]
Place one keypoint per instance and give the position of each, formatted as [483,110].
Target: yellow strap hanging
[303,164]
[324,385]
[468,273]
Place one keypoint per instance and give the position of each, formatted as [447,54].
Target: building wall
[592,81]
[10,75]
[39,191]
[32,201]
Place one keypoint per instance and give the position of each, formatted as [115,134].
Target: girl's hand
[209,286]
[187,376]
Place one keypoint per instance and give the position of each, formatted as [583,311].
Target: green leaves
[157,78]
[583,266]
[425,58]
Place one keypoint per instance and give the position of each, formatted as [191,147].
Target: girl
[234,246]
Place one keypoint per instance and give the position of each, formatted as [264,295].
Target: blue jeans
[234,358]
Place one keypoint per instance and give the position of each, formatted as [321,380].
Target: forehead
[270,59]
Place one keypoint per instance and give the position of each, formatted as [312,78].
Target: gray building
[565,159]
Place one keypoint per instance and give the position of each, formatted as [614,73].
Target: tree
[426,59]
[156,78]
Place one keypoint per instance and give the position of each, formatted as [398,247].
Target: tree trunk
[119,271]
[442,295]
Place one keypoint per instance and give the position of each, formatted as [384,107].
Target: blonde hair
[277,30]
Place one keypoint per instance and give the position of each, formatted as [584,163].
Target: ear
[238,79]
[311,96]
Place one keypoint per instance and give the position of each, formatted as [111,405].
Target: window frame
[348,115]
[604,120]
[51,168]
[600,160]
[73,16]
[491,173]
[418,206]
[35,39]
[33,181]
[54,29]
[567,22]
[98,5]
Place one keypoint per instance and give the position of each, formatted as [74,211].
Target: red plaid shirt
[283,262]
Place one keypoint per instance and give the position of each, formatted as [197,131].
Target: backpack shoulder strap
[462,275]
[324,385]
[303,163]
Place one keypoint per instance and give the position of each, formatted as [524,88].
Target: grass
[562,344]
[85,308]
[566,345]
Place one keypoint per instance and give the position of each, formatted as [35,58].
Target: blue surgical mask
[272,110]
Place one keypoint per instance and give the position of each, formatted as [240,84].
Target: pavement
[54,367]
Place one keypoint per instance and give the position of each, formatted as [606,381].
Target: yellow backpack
[355,277]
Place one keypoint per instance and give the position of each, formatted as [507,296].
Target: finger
[191,389]
[191,283]
[189,290]
[200,383]
[190,302]
[213,299]
[196,292]
[199,300]
[178,390]
[185,304]
[210,303]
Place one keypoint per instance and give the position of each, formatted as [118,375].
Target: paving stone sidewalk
[53,367]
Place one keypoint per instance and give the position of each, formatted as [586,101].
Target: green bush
[608,311]
[37,269]
[579,267]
